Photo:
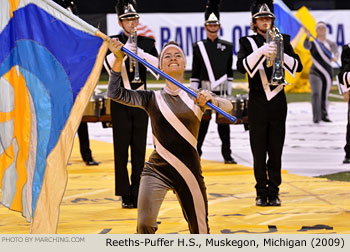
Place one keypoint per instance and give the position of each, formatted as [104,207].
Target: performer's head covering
[126,9]
[262,8]
[212,12]
[69,5]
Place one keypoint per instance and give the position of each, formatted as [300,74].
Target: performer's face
[212,28]
[262,23]
[173,61]
[321,30]
[128,24]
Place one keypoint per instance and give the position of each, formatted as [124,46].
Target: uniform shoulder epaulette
[286,37]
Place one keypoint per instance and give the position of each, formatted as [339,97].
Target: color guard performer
[321,71]
[130,123]
[212,70]
[267,103]
[175,163]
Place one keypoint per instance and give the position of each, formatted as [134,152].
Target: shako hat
[212,12]
[126,9]
[262,8]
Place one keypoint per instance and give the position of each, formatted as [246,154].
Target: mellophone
[98,110]
[239,110]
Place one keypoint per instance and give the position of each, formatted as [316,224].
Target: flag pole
[285,7]
[106,38]
[169,78]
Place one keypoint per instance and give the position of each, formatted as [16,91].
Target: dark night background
[107,6]
[93,11]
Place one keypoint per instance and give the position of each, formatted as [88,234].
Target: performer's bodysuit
[175,120]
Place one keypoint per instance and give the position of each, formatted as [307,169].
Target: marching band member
[321,71]
[212,70]
[130,123]
[175,163]
[344,79]
[267,104]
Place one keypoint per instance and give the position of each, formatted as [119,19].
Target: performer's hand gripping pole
[191,92]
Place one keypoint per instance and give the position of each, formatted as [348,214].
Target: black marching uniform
[344,79]
[84,143]
[212,70]
[219,53]
[267,112]
[130,127]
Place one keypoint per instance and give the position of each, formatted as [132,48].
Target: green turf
[340,176]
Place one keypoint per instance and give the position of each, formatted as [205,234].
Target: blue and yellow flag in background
[293,25]
[50,62]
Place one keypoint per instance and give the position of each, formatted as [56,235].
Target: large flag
[293,25]
[287,23]
[50,62]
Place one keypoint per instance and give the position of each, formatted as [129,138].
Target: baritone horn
[132,62]
[273,35]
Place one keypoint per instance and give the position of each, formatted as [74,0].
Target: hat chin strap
[260,31]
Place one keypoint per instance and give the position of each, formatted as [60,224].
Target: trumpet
[132,62]
[273,35]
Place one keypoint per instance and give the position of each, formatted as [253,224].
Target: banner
[187,28]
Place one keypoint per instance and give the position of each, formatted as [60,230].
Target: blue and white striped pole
[191,92]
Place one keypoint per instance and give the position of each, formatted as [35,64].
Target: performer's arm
[151,58]
[230,73]
[292,61]
[307,43]
[134,98]
[344,73]
[241,55]
[249,61]
[335,52]
[196,67]
[204,95]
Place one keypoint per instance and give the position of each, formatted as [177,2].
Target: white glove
[130,46]
[229,87]
[268,50]
[142,54]
[194,84]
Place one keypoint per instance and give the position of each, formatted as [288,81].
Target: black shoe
[326,119]
[128,206]
[275,201]
[346,160]
[261,201]
[126,202]
[316,121]
[92,162]
[230,161]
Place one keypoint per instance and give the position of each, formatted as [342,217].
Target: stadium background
[101,13]
[94,12]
